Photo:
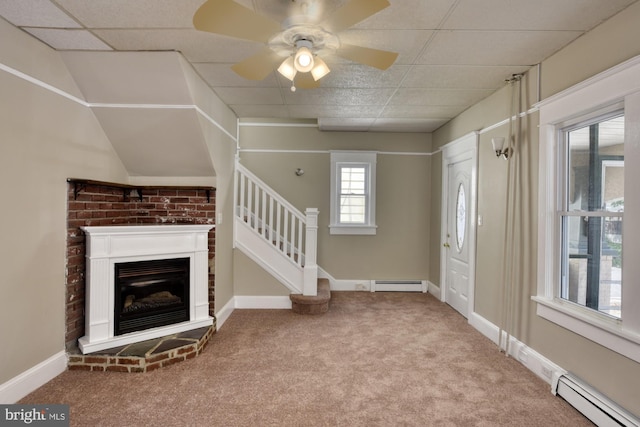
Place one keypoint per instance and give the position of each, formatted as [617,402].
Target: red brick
[128,361]
[187,349]
[153,366]
[94,359]
[84,214]
[115,368]
[79,368]
[157,357]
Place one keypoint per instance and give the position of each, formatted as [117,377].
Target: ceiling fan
[301,39]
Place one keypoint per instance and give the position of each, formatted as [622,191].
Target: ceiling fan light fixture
[287,68]
[320,69]
[304,60]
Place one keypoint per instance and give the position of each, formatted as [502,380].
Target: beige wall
[400,249]
[44,139]
[223,151]
[614,41]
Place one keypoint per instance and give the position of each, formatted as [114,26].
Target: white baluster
[241,207]
[299,246]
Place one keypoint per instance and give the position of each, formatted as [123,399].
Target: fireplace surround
[111,246]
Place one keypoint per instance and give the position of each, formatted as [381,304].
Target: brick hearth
[144,356]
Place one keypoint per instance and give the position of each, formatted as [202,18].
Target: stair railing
[292,233]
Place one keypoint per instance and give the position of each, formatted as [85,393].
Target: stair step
[319,304]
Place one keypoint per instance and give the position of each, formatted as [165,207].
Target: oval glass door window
[461,217]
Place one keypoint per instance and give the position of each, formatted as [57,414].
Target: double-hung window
[353,192]
[588,235]
[591,213]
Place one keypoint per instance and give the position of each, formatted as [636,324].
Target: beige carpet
[375,359]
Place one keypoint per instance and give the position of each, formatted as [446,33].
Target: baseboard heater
[398,286]
[594,405]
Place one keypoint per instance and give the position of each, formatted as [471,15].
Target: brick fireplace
[91,203]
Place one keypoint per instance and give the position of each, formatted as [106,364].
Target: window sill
[353,229]
[606,332]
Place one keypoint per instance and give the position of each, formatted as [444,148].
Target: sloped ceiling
[146,109]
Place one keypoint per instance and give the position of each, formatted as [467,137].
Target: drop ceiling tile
[361,76]
[409,15]
[437,97]
[223,75]
[68,39]
[566,15]
[422,111]
[407,43]
[35,13]
[314,10]
[494,47]
[407,125]
[244,95]
[335,111]
[133,14]
[329,96]
[459,76]
[196,46]
[344,124]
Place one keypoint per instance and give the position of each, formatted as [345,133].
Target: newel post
[310,285]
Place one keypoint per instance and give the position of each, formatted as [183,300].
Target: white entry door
[458,239]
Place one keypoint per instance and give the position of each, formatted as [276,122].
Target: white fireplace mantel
[109,245]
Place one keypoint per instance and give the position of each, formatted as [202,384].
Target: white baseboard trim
[531,359]
[343,285]
[33,378]
[223,314]
[251,302]
[350,285]
[262,302]
[434,290]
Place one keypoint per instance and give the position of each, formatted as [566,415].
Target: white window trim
[368,158]
[619,86]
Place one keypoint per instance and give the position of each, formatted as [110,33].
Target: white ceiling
[452,53]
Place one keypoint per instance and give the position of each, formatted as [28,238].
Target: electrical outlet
[546,372]
[360,287]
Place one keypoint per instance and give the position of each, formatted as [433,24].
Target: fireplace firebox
[149,294]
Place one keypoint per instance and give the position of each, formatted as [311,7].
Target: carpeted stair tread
[305,304]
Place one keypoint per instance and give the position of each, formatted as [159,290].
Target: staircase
[281,239]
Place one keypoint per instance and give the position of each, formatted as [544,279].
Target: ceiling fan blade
[381,59]
[229,18]
[353,12]
[258,66]
[306,81]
